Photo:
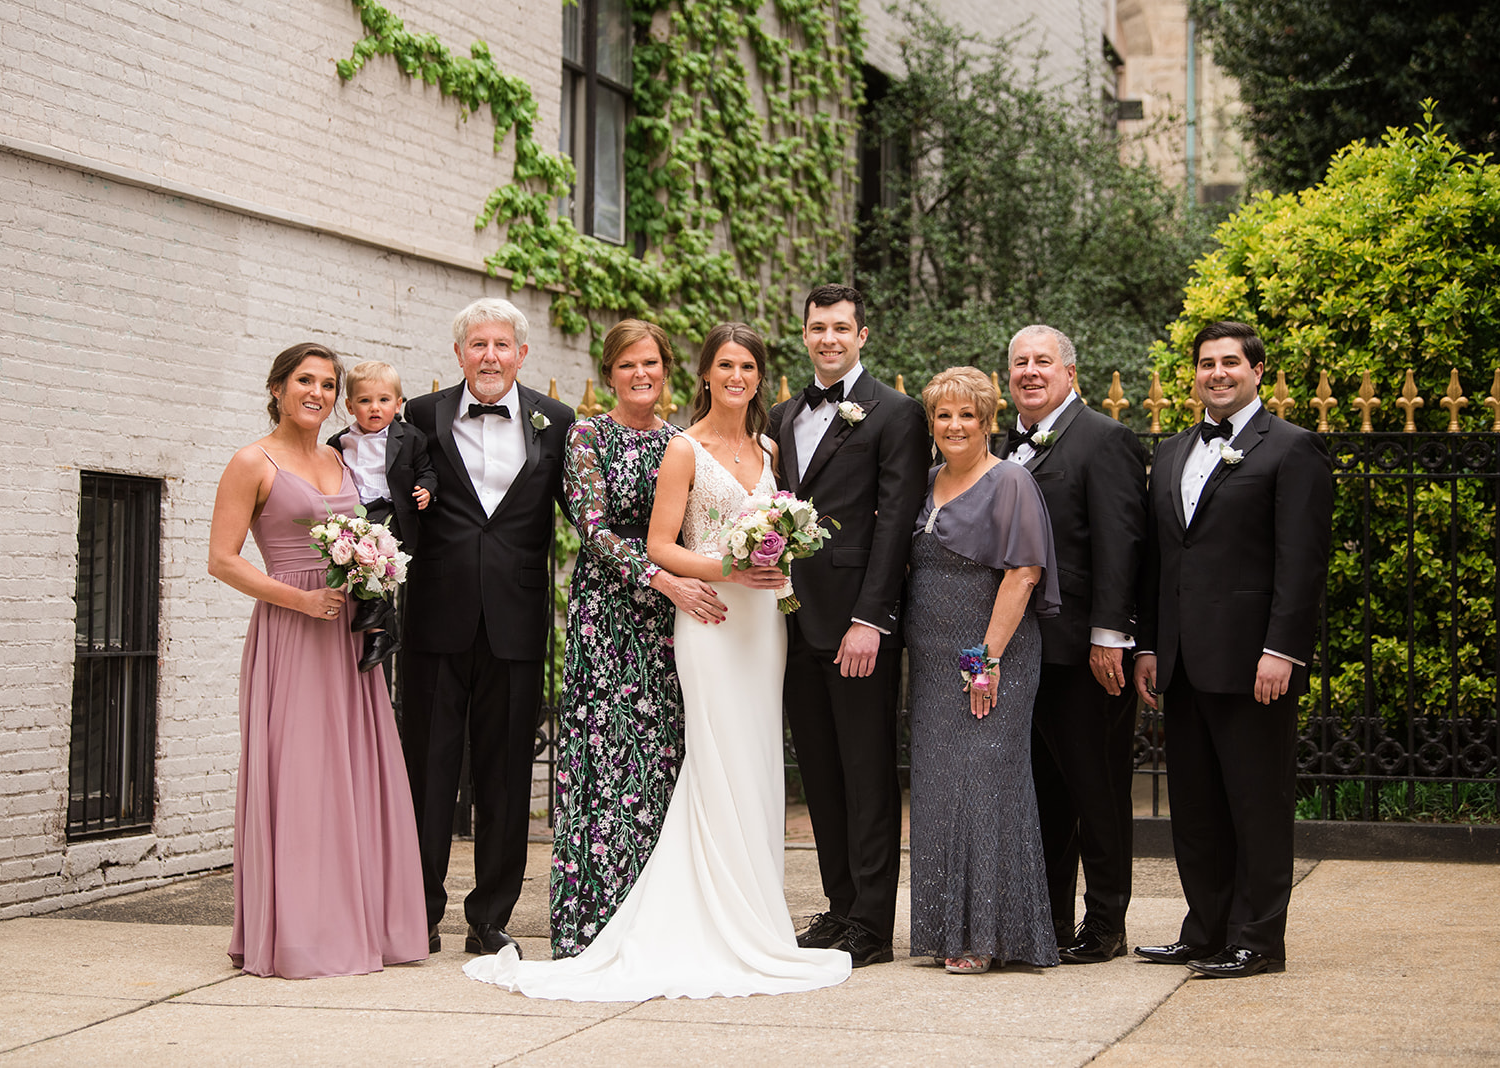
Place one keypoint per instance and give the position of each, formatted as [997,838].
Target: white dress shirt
[1101,636]
[493,448]
[1203,457]
[812,423]
[364,456]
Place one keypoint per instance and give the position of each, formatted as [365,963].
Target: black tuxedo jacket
[1093,477]
[871,477]
[1247,574]
[406,467]
[469,562]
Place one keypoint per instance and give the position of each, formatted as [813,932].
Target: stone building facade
[186,188]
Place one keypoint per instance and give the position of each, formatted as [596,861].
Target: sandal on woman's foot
[967,964]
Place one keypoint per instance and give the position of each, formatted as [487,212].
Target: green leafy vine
[738,182]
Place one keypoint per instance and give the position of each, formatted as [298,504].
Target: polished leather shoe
[1236,962]
[1092,945]
[380,646]
[434,940]
[1176,953]
[864,948]
[825,930]
[368,614]
[488,938]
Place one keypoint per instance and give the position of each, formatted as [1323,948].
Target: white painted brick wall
[1069,30]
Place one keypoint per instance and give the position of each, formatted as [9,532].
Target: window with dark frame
[112,757]
[595,109]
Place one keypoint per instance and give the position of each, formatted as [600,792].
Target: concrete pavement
[1391,963]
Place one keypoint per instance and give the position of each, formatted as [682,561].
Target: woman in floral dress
[620,743]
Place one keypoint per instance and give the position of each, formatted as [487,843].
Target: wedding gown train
[707,916]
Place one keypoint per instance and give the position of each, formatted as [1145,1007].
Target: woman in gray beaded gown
[982,571]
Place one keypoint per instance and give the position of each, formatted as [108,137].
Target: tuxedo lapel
[526,402]
[840,429]
[444,412]
[788,442]
[1176,448]
[393,439]
[1244,442]
[1039,457]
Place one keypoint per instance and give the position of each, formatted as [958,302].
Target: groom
[860,451]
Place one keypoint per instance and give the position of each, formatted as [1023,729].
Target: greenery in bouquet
[772,532]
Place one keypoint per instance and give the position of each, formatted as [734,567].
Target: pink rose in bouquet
[768,552]
[341,551]
[365,551]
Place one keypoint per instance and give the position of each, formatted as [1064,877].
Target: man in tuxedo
[1241,508]
[860,451]
[1092,472]
[476,615]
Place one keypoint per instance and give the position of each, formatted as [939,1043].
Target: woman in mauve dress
[327,879]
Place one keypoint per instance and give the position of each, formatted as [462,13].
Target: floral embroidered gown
[620,736]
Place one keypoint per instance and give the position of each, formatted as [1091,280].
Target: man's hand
[856,655]
[1273,677]
[421,496]
[1108,666]
[1145,678]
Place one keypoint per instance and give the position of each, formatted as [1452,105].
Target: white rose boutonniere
[851,413]
[1042,438]
[540,421]
[1228,455]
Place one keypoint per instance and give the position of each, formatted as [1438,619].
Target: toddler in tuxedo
[388,462]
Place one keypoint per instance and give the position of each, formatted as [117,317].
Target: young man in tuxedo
[476,615]
[1241,508]
[860,451]
[1092,472]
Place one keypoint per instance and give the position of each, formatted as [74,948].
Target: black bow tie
[816,395]
[1015,438]
[476,410]
[1209,431]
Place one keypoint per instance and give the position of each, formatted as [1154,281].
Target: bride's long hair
[757,417]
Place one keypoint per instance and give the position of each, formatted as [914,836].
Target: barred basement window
[112,763]
[595,109]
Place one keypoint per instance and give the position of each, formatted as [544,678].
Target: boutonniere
[851,413]
[539,421]
[1042,438]
[1228,455]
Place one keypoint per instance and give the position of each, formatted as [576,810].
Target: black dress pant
[1082,759]
[844,731]
[496,701]
[1232,783]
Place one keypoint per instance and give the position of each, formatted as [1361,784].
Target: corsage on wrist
[975,666]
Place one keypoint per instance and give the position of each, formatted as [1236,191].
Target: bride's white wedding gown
[707,916]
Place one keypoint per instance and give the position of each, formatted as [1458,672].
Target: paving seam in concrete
[142,1006]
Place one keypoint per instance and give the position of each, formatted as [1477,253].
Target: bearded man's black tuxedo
[475,635]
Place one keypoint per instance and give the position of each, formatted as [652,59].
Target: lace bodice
[715,489]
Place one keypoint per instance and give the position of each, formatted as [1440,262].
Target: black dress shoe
[1092,945]
[379,647]
[863,947]
[434,940]
[368,614]
[1236,962]
[1176,953]
[488,938]
[825,930]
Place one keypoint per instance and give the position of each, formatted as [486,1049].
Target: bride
[707,916]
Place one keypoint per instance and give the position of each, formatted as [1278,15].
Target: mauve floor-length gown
[327,879]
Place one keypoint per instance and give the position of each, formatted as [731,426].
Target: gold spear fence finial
[589,406]
[666,407]
[1454,401]
[1115,403]
[1366,402]
[1155,402]
[1492,402]
[901,384]
[1323,402]
[783,394]
[552,391]
[1281,397]
[1409,402]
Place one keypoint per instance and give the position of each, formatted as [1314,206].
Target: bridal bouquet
[772,532]
[364,558]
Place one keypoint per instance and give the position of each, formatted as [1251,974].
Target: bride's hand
[759,578]
[692,596]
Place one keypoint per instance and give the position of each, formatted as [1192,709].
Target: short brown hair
[626,333]
[968,385]
[370,371]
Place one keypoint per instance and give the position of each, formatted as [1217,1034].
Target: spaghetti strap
[268,457]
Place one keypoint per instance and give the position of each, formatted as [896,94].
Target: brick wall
[1069,30]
